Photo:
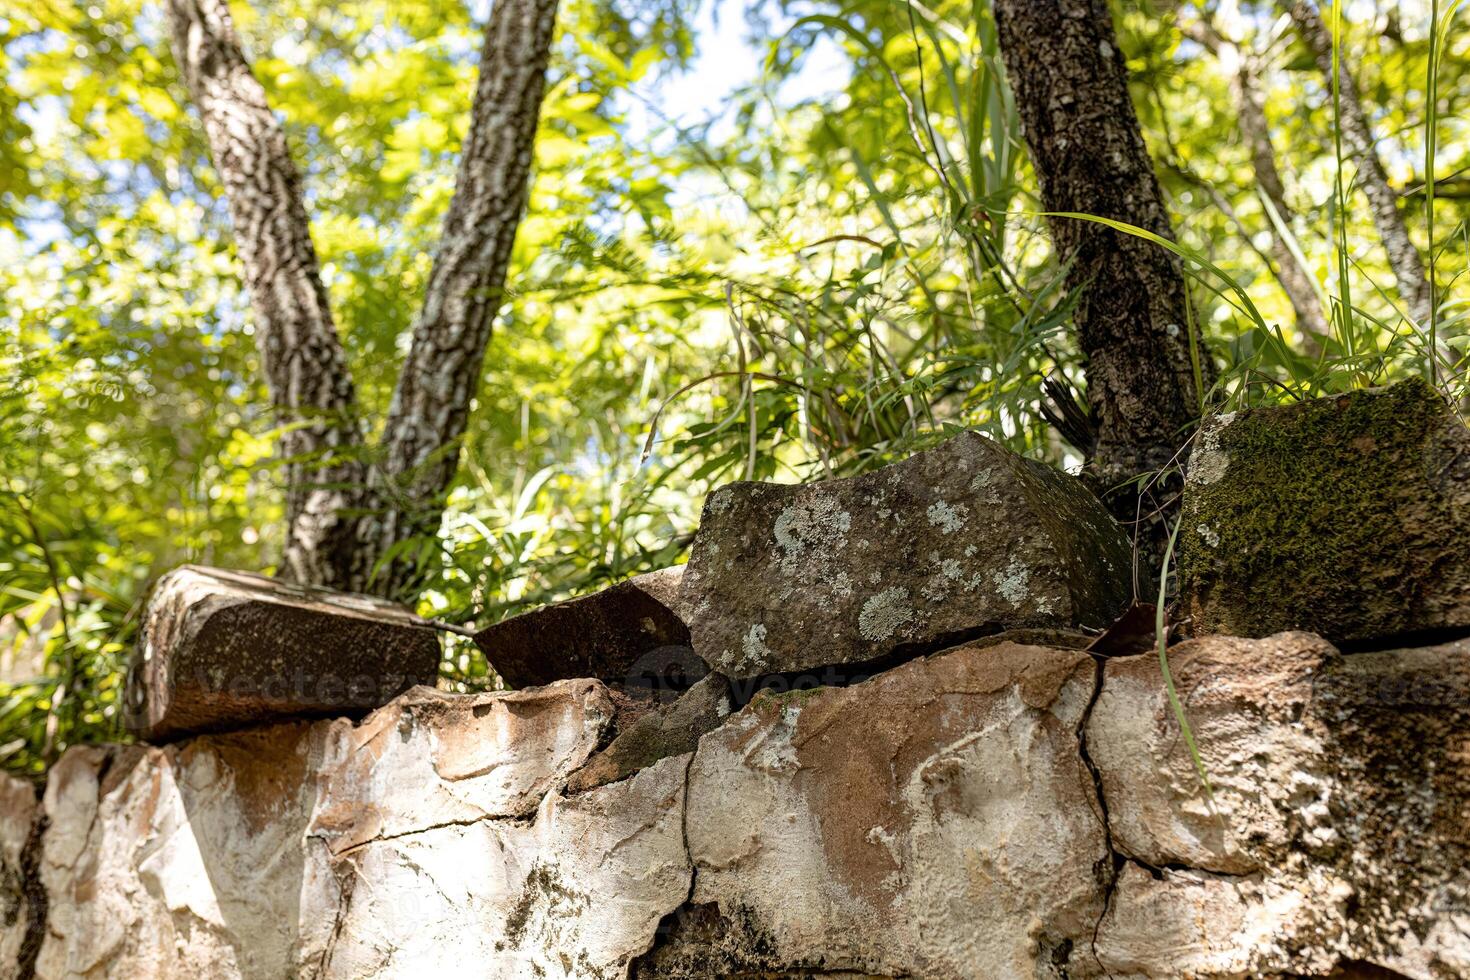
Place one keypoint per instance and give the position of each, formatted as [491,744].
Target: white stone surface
[940,820]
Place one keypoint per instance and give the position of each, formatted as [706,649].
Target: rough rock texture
[627,633]
[1348,516]
[997,810]
[961,540]
[671,729]
[223,649]
[1340,831]
[427,841]
[21,901]
[936,821]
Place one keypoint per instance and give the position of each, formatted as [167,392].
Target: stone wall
[995,810]
[900,725]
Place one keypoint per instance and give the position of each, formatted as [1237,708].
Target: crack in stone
[34,891]
[524,821]
[346,884]
[1114,858]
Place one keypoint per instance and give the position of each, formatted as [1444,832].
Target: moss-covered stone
[1345,515]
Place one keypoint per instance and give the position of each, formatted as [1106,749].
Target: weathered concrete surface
[1340,828]
[1348,516]
[963,539]
[603,635]
[985,812]
[223,649]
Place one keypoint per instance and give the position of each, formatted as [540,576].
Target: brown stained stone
[962,540]
[1348,516]
[1335,830]
[627,634]
[223,649]
[936,820]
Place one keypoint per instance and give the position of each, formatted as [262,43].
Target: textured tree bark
[305,368]
[1403,257]
[1064,66]
[345,518]
[431,403]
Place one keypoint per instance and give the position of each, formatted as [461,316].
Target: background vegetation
[792,287]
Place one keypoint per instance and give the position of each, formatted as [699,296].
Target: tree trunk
[305,368]
[348,526]
[1403,257]
[431,403]
[1072,94]
[1295,278]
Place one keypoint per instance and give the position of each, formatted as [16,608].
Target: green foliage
[812,287]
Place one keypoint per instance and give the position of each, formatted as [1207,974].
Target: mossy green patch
[1346,516]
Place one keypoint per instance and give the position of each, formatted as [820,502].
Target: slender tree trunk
[1295,279]
[1063,63]
[351,526]
[1403,257]
[302,359]
[431,403]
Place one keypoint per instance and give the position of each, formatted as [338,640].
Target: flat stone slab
[223,649]
[963,539]
[629,633]
[1348,516]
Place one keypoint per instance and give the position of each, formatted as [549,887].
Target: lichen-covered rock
[961,540]
[1348,516]
[615,635]
[936,821]
[1339,830]
[223,649]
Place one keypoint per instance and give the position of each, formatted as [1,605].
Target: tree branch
[1403,256]
[431,404]
[305,368]
[1294,277]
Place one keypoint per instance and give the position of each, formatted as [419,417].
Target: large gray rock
[223,649]
[961,540]
[628,633]
[1348,516]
